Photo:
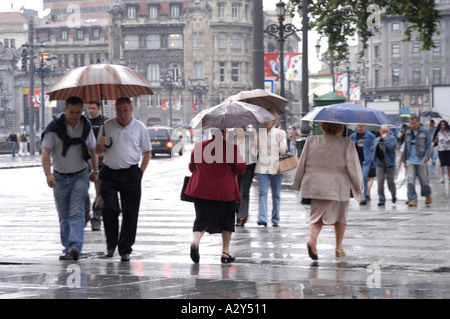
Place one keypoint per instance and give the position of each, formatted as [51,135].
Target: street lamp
[281,32]
[46,67]
[328,60]
[198,88]
[170,85]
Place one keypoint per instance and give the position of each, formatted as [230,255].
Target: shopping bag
[287,163]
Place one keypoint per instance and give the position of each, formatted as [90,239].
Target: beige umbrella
[262,98]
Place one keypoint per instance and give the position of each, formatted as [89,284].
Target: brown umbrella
[97,82]
[262,98]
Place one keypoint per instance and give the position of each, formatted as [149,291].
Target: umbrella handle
[110,144]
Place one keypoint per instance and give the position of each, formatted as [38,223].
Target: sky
[314,64]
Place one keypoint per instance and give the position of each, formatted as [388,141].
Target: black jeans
[244,182]
[127,183]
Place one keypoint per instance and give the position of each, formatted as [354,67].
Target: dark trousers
[127,183]
[244,182]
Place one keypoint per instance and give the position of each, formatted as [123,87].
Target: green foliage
[339,20]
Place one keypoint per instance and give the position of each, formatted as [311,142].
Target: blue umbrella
[430,114]
[347,113]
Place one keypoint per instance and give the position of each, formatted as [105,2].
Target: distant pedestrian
[441,139]
[95,116]
[383,155]
[214,186]
[416,154]
[70,143]
[126,140]
[431,130]
[272,143]
[363,142]
[293,135]
[247,144]
[329,173]
[12,138]
[23,143]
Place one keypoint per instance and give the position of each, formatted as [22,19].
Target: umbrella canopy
[231,114]
[347,113]
[259,97]
[97,82]
[430,114]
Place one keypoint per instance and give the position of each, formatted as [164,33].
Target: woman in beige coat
[329,173]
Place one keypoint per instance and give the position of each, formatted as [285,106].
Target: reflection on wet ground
[392,252]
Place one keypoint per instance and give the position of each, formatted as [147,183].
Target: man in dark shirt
[363,142]
[13,139]
[95,116]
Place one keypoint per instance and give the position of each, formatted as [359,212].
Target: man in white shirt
[122,141]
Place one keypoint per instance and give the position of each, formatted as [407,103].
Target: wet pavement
[392,252]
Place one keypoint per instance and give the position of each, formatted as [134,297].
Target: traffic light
[24,59]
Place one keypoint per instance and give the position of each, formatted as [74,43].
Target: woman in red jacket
[214,164]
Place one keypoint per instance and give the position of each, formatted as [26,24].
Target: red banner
[292,66]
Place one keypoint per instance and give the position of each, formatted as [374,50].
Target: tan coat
[329,169]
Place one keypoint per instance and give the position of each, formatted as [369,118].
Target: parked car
[166,140]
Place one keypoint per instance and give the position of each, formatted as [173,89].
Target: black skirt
[214,216]
[444,158]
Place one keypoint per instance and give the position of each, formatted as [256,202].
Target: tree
[340,19]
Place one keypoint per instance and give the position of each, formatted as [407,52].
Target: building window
[175,11]
[222,41]
[175,41]
[235,71]
[376,51]
[197,39]
[416,75]
[221,10]
[395,76]
[416,99]
[131,12]
[395,26]
[222,71]
[131,42]
[395,50]
[153,12]
[96,34]
[153,41]
[235,10]
[236,41]
[80,35]
[198,70]
[153,74]
[64,35]
[437,48]
[175,72]
[436,75]
[416,49]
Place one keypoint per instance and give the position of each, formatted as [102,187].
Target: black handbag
[183,196]
[306,201]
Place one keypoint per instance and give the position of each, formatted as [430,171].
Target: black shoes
[73,254]
[195,256]
[228,259]
[260,223]
[125,258]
